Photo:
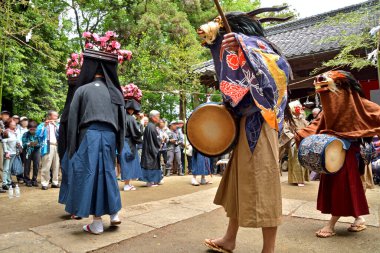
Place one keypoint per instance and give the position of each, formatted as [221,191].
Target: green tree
[354,45]
[89,15]
[164,46]
[201,11]
[34,79]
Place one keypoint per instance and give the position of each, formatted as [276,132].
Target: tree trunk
[196,100]
[182,106]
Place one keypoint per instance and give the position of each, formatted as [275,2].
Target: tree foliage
[354,45]
[165,47]
[34,81]
[160,33]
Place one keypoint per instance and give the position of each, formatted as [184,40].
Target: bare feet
[225,244]
[325,232]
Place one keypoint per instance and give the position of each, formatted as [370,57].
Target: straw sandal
[325,234]
[208,243]
[357,227]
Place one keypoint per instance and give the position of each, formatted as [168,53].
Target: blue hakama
[201,165]
[151,176]
[93,185]
[129,163]
[66,175]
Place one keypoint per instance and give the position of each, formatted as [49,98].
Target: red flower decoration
[107,44]
[131,91]
[74,64]
[234,91]
[233,61]
[242,59]
[86,35]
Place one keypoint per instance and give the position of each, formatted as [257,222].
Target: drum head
[211,129]
[334,156]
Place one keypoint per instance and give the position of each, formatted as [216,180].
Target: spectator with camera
[47,133]
[175,140]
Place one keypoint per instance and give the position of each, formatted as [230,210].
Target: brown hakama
[250,189]
[296,173]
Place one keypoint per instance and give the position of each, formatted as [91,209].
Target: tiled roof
[304,36]
[205,68]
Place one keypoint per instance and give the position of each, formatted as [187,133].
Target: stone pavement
[294,235]
[67,236]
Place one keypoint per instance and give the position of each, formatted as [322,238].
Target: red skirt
[342,194]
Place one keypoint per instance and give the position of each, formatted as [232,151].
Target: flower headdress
[108,44]
[74,64]
[131,91]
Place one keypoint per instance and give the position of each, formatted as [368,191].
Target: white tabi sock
[96,227]
[115,217]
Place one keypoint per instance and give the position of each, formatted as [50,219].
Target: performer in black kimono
[150,158]
[95,129]
[129,157]
[72,72]
[62,145]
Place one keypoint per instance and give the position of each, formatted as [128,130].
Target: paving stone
[202,200]
[145,208]
[69,234]
[290,205]
[164,217]
[26,242]
[309,210]
[284,177]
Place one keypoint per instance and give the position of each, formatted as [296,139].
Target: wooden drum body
[212,129]
[323,153]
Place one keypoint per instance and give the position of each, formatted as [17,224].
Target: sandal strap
[215,246]
[325,234]
[89,229]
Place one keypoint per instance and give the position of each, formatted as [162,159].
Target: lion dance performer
[296,173]
[347,115]
[253,77]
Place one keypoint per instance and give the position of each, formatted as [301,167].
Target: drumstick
[221,13]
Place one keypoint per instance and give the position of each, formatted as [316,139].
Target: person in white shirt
[10,145]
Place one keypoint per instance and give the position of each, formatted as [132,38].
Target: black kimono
[150,159]
[94,125]
[129,157]
[92,103]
